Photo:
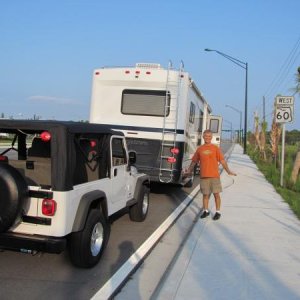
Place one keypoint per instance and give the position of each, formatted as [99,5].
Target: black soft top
[63,144]
[55,126]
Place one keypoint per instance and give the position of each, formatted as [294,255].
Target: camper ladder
[169,130]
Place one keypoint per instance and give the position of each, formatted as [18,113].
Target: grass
[290,192]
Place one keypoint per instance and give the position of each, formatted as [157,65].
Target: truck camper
[161,112]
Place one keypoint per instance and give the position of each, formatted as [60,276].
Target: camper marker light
[97,73]
[171,160]
[137,72]
[127,72]
[174,150]
[45,136]
[148,72]
[48,207]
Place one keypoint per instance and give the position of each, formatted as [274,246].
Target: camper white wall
[109,84]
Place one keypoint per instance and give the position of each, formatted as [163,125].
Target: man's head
[207,136]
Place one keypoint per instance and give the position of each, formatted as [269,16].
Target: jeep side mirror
[132,157]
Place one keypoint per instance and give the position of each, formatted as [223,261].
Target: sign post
[284,113]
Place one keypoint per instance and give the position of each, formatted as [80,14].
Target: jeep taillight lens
[48,207]
[3,158]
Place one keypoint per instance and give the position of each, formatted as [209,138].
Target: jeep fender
[141,181]
[94,199]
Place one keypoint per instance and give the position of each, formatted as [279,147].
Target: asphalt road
[52,276]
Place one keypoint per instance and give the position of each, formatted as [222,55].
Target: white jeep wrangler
[59,184]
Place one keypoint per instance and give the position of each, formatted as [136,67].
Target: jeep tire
[13,192]
[86,246]
[138,211]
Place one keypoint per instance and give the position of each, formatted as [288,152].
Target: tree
[264,126]
[274,137]
[256,131]
[297,87]
[296,166]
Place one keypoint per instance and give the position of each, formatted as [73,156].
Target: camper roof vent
[147,65]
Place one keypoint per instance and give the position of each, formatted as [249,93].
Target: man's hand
[225,166]
[231,173]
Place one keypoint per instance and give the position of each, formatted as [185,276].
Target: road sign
[284,112]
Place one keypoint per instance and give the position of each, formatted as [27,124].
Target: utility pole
[264,108]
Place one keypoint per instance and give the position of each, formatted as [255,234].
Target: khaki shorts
[210,186]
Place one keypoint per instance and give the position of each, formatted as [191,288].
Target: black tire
[86,247]
[138,211]
[13,192]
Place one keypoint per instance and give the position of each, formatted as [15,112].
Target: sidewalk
[252,252]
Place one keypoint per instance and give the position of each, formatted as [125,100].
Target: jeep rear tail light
[48,207]
[3,158]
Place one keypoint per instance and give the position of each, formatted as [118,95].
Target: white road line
[125,270]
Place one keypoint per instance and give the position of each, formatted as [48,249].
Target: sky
[49,49]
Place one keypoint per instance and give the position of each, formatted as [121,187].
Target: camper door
[214,123]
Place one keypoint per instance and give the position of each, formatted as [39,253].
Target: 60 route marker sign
[284,109]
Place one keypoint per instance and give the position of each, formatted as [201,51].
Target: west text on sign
[284,109]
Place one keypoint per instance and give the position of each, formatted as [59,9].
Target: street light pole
[243,65]
[240,112]
[230,123]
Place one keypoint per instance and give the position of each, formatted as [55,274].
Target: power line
[284,68]
[280,77]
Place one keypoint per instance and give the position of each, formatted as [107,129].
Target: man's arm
[190,169]
[225,166]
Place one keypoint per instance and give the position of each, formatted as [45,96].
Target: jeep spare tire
[13,192]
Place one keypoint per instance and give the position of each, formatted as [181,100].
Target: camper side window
[200,127]
[192,113]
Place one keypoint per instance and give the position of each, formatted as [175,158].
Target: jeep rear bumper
[29,243]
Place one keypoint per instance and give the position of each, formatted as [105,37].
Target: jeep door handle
[115,172]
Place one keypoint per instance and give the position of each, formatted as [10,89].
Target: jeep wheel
[13,192]
[138,211]
[87,246]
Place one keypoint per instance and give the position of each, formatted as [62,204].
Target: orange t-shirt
[209,156]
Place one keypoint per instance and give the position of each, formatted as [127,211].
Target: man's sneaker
[217,216]
[204,214]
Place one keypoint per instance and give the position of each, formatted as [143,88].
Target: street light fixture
[243,65]
[240,112]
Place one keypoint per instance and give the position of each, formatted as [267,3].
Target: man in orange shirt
[209,156]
